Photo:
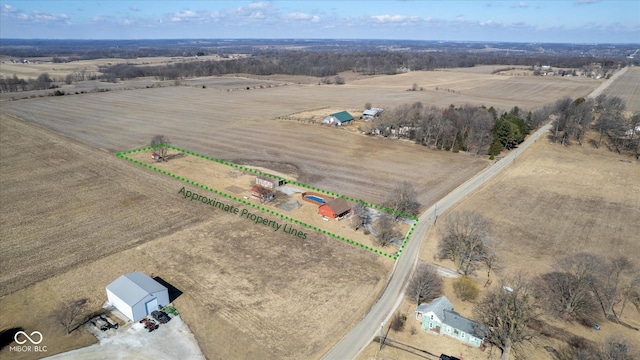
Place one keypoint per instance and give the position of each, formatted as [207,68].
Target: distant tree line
[330,63]
[15,84]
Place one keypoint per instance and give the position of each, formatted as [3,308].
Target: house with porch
[335,208]
[439,317]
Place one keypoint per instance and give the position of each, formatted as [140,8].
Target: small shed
[269,182]
[372,113]
[338,118]
[136,295]
[335,208]
[261,193]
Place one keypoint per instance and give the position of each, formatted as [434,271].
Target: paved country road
[363,333]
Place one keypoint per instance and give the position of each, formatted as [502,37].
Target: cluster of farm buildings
[329,207]
[343,117]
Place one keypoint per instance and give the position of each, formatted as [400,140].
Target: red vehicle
[150,325]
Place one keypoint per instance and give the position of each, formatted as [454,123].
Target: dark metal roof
[338,205]
[437,306]
[461,323]
[443,309]
[343,116]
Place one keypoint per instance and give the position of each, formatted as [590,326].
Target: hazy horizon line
[322,39]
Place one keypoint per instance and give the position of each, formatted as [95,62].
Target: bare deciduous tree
[491,260]
[386,231]
[70,314]
[609,284]
[160,145]
[464,241]
[481,130]
[614,348]
[618,349]
[631,293]
[425,284]
[402,199]
[568,292]
[611,120]
[360,216]
[506,311]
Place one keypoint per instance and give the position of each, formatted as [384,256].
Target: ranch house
[136,295]
[339,118]
[439,317]
[335,208]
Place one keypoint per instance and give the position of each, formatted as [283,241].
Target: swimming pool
[315,198]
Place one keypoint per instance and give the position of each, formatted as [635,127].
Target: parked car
[160,316]
[448,357]
[150,325]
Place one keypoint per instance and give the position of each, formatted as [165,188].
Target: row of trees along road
[475,129]
[604,114]
[583,287]
[480,130]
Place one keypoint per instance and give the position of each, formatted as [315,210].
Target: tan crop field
[75,218]
[555,201]
[222,125]
[60,70]
[241,126]
[627,87]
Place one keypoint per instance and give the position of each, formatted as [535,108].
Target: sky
[573,21]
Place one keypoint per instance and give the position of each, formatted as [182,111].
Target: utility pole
[381,334]
[436,214]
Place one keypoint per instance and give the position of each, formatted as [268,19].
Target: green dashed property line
[255,171]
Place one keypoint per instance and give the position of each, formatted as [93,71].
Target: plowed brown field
[241,126]
[74,218]
[627,87]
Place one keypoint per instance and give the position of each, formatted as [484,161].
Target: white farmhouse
[439,317]
[136,295]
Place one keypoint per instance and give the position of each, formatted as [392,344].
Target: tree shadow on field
[175,156]
[6,336]
[174,292]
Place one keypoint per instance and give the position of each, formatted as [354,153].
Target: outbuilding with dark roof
[338,118]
